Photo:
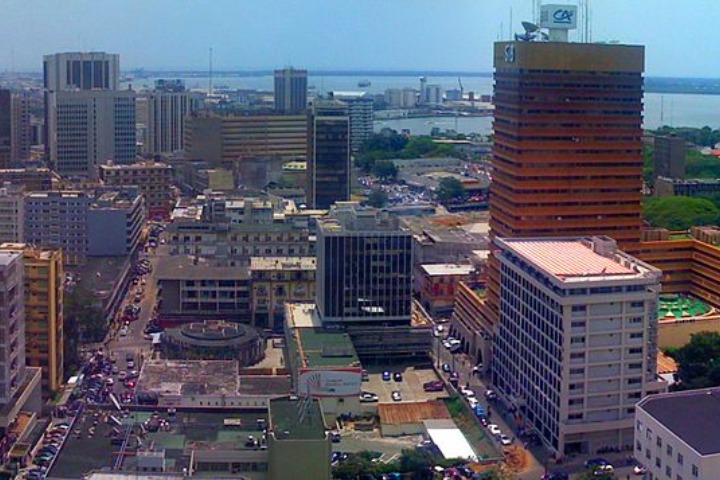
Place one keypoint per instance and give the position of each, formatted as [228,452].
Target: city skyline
[264,35]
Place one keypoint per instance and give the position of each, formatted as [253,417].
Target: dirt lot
[411,386]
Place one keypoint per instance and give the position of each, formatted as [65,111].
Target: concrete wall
[107,235]
[677,334]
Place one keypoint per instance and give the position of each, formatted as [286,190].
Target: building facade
[12,213]
[672,435]
[290,90]
[437,284]
[44,321]
[550,179]
[576,343]
[223,141]
[153,178]
[361,113]
[33,179]
[12,324]
[89,127]
[167,108]
[22,131]
[328,156]
[115,221]
[364,267]
[669,157]
[5,128]
[81,71]
[277,280]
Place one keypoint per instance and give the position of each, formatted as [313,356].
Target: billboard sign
[558,17]
[344,382]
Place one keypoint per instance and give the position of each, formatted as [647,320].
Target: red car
[433,386]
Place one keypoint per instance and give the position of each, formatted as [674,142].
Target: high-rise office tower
[290,90]
[364,267]
[576,343]
[328,156]
[567,156]
[88,120]
[81,71]
[168,107]
[5,128]
[22,131]
[360,110]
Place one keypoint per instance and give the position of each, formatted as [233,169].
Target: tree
[384,169]
[449,189]
[698,361]
[84,322]
[680,213]
[418,462]
[377,199]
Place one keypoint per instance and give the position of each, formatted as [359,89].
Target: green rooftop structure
[681,306]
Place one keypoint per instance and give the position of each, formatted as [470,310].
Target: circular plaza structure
[214,340]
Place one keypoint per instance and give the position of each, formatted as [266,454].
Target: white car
[468,393]
[473,402]
[494,429]
[505,440]
[396,396]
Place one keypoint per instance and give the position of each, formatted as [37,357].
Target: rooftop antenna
[511,24]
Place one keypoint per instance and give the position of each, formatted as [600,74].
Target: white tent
[451,442]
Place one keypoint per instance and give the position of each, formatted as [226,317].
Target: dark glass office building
[290,90]
[328,157]
[364,267]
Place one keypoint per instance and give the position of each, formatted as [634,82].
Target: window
[695,471]
[647,453]
[638,446]
[668,471]
[680,459]
[658,463]
[668,449]
[658,441]
[679,477]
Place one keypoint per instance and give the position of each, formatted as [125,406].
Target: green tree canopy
[377,199]
[698,361]
[680,213]
[450,188]
[384,169]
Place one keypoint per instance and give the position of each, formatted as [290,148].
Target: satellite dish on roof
[530,27]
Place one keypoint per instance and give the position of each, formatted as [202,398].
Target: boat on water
[364,83]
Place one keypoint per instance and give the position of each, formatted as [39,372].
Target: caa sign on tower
[345,382]
[558,16]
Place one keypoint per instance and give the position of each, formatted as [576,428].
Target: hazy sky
[680,36]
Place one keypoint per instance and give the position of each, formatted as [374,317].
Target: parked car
[386,376]
[398,376]
[596,462]
[640,470]
[446,368]
[468,393]
[396,396]
[433,386]
[505,440]
[494,429]
[368,397]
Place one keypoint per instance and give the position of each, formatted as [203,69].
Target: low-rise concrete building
[153,178]
[675,435]
[214,340]
[438,283]
[33,179]
[277,280]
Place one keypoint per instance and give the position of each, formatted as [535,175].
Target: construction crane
[461,89]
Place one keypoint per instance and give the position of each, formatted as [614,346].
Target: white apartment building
[576,343]
[676,435]
[12,325]
[81,71]
[360,111]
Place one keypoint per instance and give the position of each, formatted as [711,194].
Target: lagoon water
[660,109]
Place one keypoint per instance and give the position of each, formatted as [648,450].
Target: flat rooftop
[412,412]
[687,415]
[576,259]
[289,422]
[189,377]
[441,269]
[9,256]
[186,267]
[282,263]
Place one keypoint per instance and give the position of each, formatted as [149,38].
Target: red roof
[567,258]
